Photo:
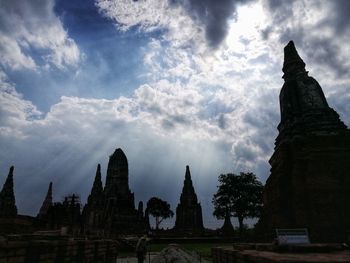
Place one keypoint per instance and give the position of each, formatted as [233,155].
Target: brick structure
[59,250]
[64,214]
[309,182]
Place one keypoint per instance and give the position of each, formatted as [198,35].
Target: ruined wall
[41,251]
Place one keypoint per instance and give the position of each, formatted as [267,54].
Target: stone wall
[309,187]
[41,251]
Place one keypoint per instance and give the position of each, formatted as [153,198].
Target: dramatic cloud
[153,128]
[15,112]
[239,82]
[172,23]
[183,20]
[32,25]
[196,110]
[213,15]
[318,28]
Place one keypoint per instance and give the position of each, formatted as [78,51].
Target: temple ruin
[189,218]
[309,182]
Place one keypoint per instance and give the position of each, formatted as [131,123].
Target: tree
[240,195]
[159,209]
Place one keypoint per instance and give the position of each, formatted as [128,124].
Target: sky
[171,82]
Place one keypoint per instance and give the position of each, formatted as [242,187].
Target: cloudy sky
[171,82]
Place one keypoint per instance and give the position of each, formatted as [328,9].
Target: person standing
[141,249]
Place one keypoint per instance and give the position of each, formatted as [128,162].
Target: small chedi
[189,218]
[309,182]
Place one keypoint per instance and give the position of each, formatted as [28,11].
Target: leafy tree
[159,209]
[240,195]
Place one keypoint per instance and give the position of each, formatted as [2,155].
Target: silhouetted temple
[188,212]
[120,214]
[7,197]
[93,212]
[309,182]
[109,211]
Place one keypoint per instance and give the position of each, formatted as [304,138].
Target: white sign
[292,236]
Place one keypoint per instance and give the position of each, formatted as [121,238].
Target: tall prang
[120,214]
[309,182]
[7,197]
[117,192]
[189,218]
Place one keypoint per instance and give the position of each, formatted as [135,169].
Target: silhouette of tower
[304,108]
[47,202]
[117,192]
[93,210]
[188,212]
[309,183]
[117,181]
[120,215]
[7,197]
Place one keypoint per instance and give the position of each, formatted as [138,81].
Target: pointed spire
[97,187]
[293,64]
[47,202]
[303,105]
[188,192]
[188,211]
[188,173]
[7,197]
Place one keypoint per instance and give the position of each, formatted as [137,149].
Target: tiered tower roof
[188,195]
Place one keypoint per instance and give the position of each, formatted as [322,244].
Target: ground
[202,249]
